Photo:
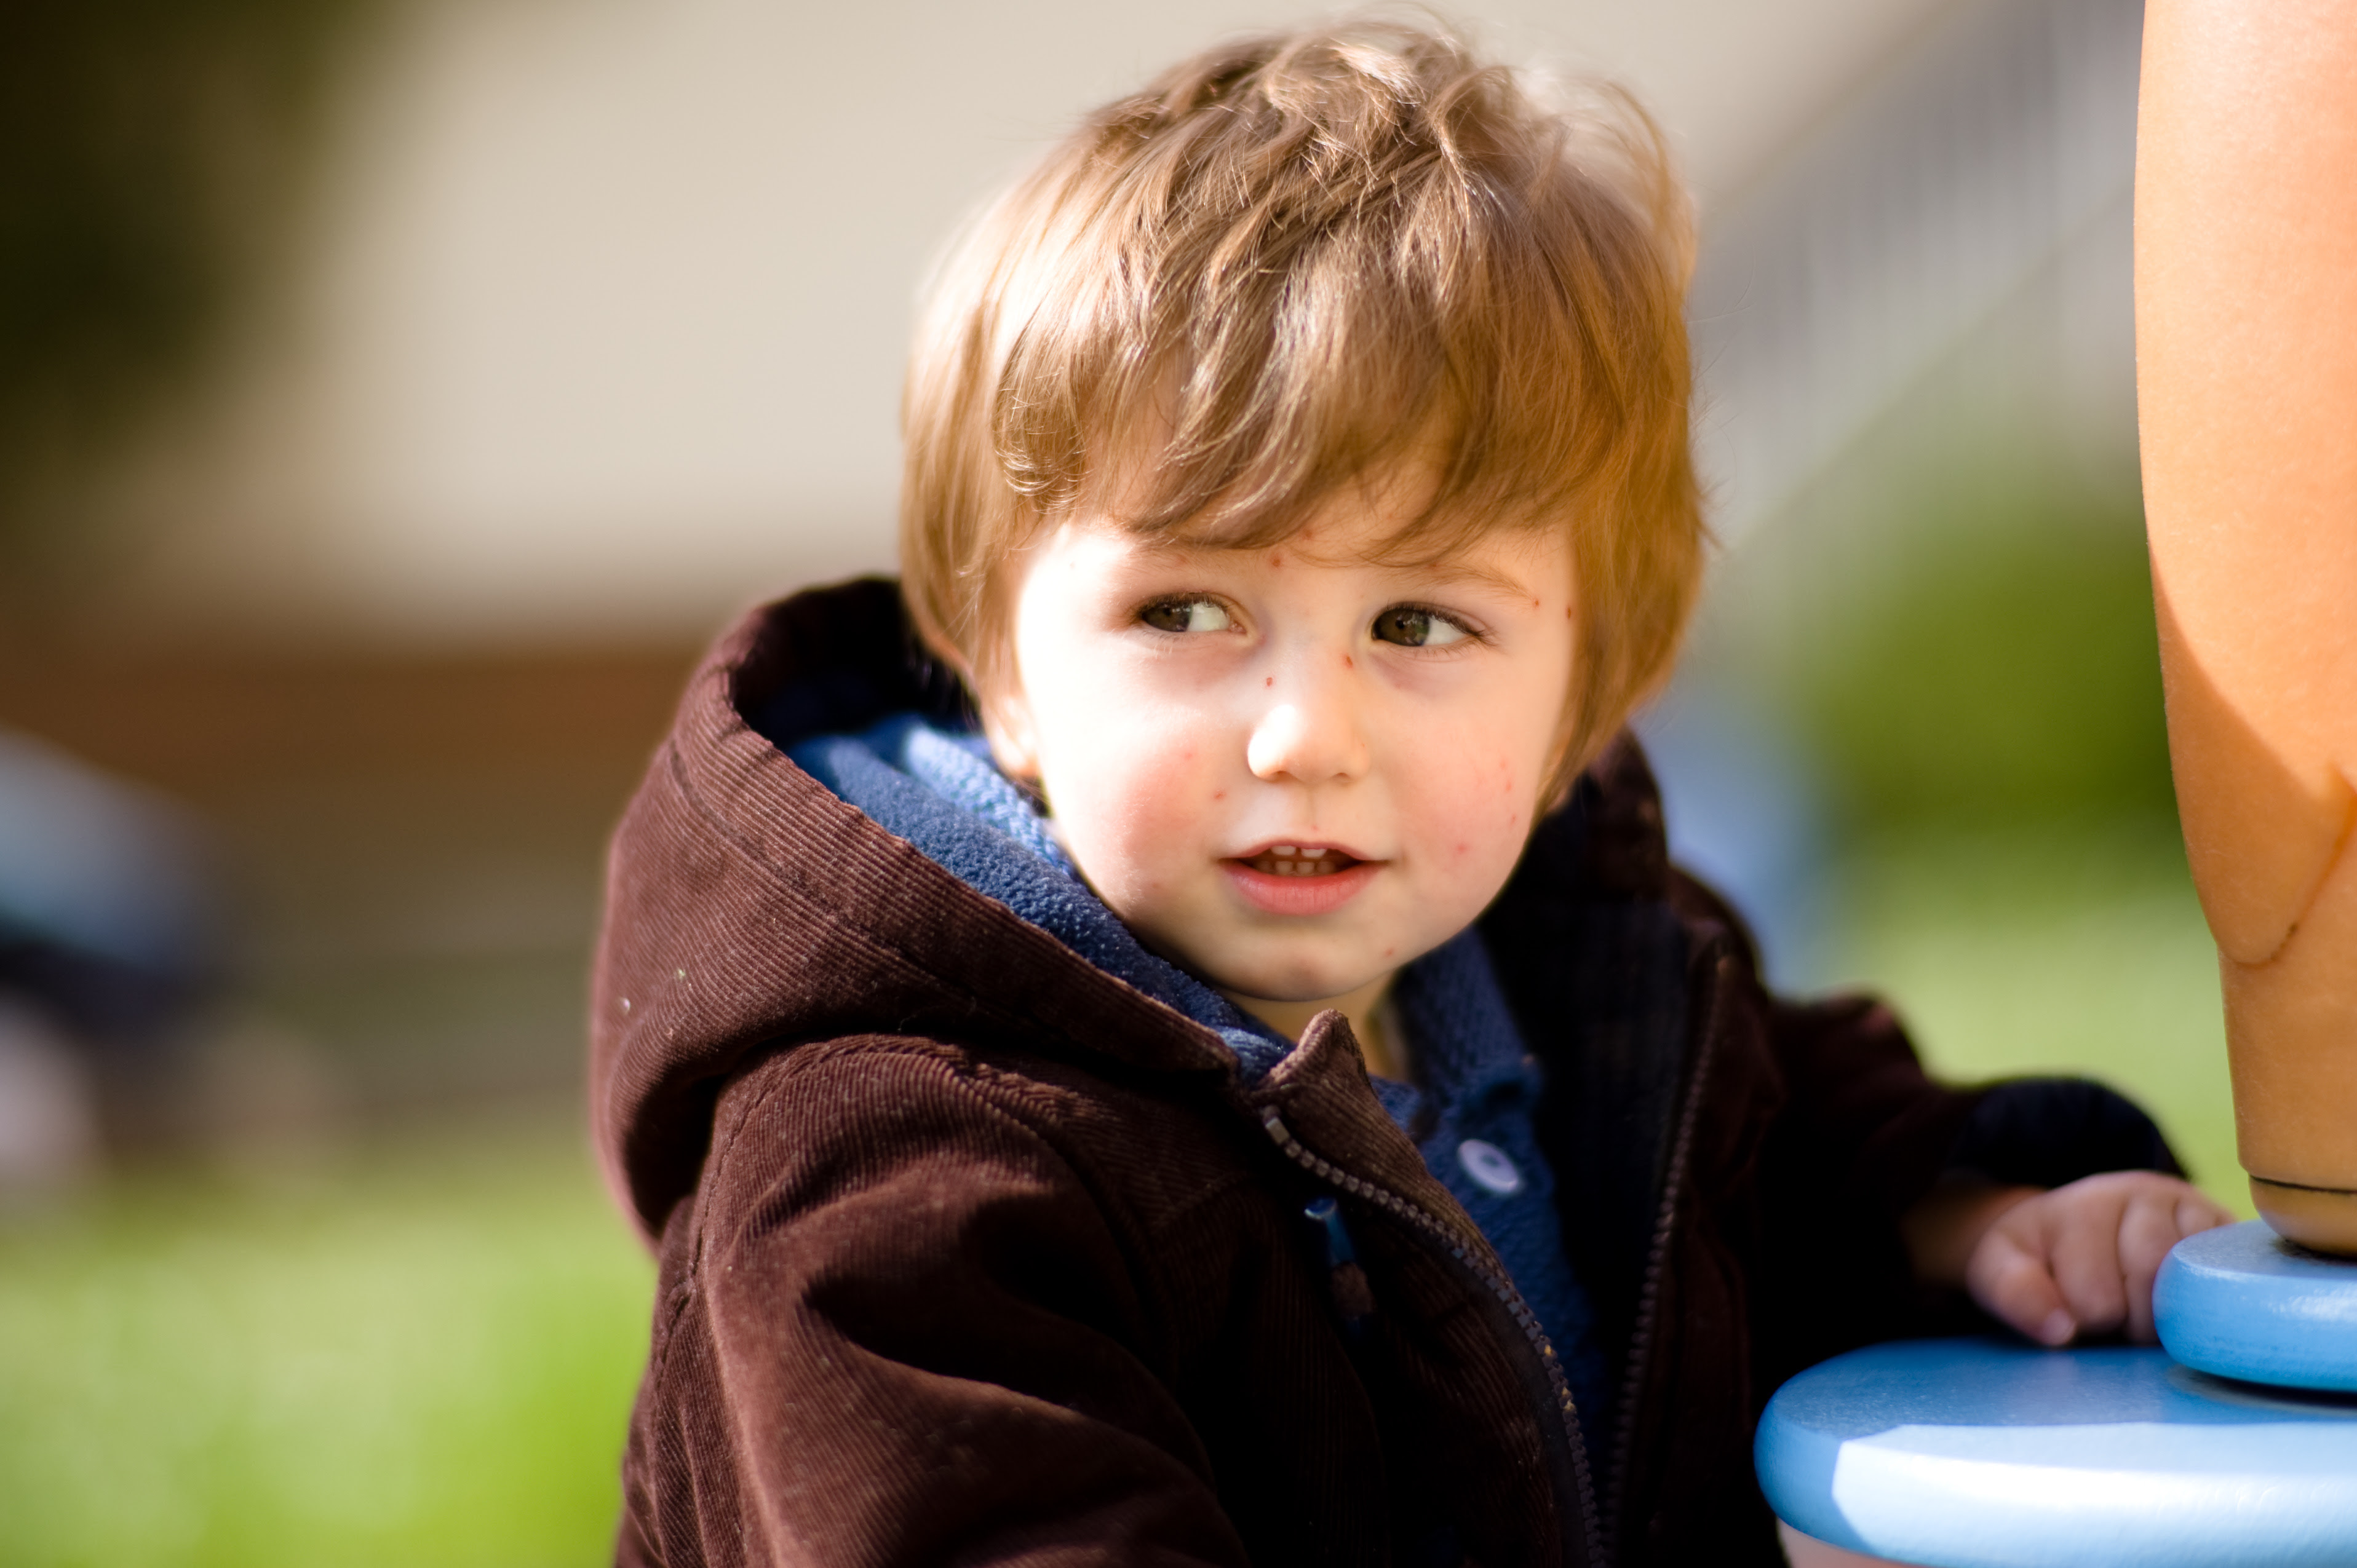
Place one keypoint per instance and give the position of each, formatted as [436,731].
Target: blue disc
[1994,1454]
[2242,1302]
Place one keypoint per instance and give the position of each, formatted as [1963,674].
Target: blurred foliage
[2066,950]
[1974,674]
[2004,676]
[148,150]
[418,1354]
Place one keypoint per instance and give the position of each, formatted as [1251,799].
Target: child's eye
[1411,625]
[1186,614]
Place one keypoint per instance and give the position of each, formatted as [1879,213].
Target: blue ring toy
[2242,1302]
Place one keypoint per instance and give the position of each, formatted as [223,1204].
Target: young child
[1267,1097]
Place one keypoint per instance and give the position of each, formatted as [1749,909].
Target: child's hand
[2080,1260]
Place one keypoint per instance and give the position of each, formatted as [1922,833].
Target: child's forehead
[1500,557]
[1398,508]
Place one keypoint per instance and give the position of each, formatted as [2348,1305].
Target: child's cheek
[1156,803]
[1478,818]
[1144,805]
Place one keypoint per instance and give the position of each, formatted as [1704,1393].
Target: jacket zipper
[1648,1295]
[1499,1285]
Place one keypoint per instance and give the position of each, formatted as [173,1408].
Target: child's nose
[1309,734]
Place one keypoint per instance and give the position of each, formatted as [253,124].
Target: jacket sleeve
[2048,1132]
[1861,1134]
[905,1331]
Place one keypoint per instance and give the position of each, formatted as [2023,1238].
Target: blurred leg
[2246,377]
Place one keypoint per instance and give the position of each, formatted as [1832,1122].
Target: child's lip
[1300,896]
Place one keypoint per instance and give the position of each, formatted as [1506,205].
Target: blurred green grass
[420,1353]
[2003,676]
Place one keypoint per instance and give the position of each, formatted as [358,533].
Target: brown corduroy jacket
[971,1253]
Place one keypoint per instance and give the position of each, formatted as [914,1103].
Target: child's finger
[2197,1212]
[2084,1247]
[2149,1228]
[2009,1278]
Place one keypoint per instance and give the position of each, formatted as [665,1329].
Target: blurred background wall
[393,394]
[593,325]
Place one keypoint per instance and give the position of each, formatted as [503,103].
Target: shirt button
[1487,1164]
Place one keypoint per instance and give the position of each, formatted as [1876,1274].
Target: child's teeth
[1295,860]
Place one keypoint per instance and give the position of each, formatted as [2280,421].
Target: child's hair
[1292,261]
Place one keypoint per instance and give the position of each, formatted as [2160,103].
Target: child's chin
[1293,985]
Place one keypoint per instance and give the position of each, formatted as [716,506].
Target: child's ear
[1007,725]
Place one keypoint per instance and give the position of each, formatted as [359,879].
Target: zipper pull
[1354,1298]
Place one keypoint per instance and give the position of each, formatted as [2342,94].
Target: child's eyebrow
[1451,573]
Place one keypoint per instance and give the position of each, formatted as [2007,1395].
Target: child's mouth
[1295,880]
[1299,860]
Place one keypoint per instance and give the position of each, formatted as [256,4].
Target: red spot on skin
[1219,794]
[1274,560]
[1270,681]
[1346,663]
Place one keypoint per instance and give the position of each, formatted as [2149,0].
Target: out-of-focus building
[593,333]
[1965,211]
[1913,316]
[602,326]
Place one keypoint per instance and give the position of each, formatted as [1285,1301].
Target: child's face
[1290,770]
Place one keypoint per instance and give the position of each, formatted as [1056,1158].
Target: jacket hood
[750,908]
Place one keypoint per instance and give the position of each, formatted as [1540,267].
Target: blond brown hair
[1292,261]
